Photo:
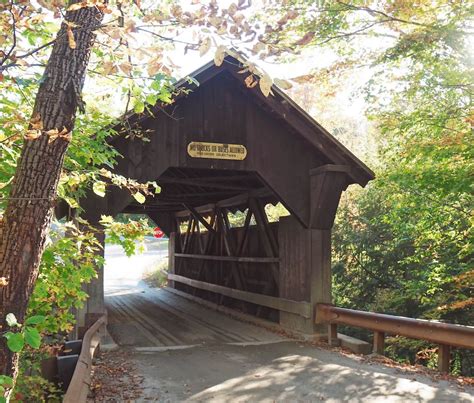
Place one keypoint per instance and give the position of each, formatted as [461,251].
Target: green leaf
[6,380]
[139,107]
[139,197]
[11,320]
[71,202]
[99,188]
[151,99]
[35,320]
[15,341]
[32,337]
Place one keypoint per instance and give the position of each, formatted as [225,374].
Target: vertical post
[94,307]
[332,335]
[326,184]
[444,358]
[379,343]
[305,272]
[320,271]
[171,257]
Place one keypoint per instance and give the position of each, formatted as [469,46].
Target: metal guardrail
[79,387]
[444,334]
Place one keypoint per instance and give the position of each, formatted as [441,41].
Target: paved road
[187,352]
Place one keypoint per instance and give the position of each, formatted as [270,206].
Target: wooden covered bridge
[220,148]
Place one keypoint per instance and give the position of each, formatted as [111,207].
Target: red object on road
[158,233]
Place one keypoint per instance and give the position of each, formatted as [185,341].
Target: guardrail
[444,334]
[79,387]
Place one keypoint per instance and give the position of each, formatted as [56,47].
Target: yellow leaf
[32,134]
[307,38]
[249,81]
[130,26]
[70,38]
[106,219]
[303,79]
[238,18]
[205,46]
[126,67]
[266,84]
[283,84]
[115,33]
[219,56]
[105,172]
[99,188]
[258,47]
[154,68]
[71,202]
[65,135]
[3,281]
[109,68]
[54,134]
[232,9]
[77,6]
[139,197]
[36,122]
[216,21]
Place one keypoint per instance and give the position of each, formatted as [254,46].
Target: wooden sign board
[217,151]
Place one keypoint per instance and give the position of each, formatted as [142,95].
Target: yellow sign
[217,151]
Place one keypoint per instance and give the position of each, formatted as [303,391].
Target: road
[185,351]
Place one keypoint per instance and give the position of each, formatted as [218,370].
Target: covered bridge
[220,148]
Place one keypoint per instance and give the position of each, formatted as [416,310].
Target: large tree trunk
[30,207]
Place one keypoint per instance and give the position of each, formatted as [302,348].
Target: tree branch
[8,54]
[165,38]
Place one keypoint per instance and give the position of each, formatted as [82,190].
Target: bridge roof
[279,104]
[282,150]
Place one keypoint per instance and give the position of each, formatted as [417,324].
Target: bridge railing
[444,334]
[79,387]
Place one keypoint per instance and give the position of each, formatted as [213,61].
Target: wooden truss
[209,250]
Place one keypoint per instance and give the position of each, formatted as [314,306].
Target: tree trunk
[30,207]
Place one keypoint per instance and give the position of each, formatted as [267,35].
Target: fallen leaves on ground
[114,378]
[460,381]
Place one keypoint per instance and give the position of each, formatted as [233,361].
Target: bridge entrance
[223,149]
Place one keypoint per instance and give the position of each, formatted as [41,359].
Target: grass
[157,274]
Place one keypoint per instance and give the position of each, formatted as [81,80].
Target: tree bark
[30,207]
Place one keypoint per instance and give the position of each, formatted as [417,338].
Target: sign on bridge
[217,151]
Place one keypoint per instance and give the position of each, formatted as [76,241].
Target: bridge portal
[223,148]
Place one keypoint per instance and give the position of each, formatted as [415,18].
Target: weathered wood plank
[296,307]
[241,259]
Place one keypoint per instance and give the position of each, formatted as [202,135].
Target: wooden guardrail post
[379,343]
[444,358]
[332,335]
